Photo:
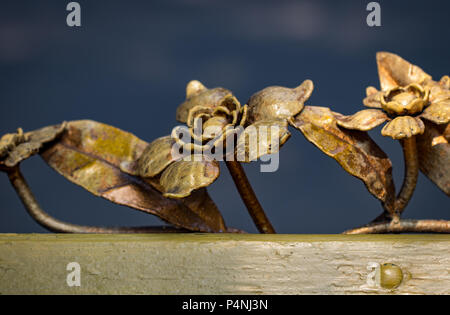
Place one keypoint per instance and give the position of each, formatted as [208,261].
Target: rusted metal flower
[408,95]
[417,110]
[211,115]
[218,128]
[211,125]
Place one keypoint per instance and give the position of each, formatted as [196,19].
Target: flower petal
[434,155]
[439,113]
[373,98]
[403,127]
[197,111]
[156,157]
[396,71]
[200,97]
[276,102]
[438,92]
[445,82]
[261,138]
[363,120]
[184,176]
[194,87]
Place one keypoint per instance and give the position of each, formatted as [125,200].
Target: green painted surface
[220,263]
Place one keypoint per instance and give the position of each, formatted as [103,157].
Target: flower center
[214,126]
[407,100]
[210,126]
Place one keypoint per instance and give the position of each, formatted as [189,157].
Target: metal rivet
[391,276]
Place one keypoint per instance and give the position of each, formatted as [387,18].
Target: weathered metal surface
[90,154]
[411,99]
[118,166]
[434,157]
[354,150]
[395,71]
[408,93]
[182,177]
[225,264]
[405,100]
[14,148]
[261,138]
[363,120]
[403,127]
[156,157]
[276,102]
[209,127]
[198,95]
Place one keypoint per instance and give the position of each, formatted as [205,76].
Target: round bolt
[391,276]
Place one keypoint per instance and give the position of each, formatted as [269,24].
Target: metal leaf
[90,154]
[363,120]
[394,71]
[434,155]
[18,147]
[276,102]
[354,150]
[182,177]
[255,142]
[156,157]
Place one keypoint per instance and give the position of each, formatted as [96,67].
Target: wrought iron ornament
[169,176]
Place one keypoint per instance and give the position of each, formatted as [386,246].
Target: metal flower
[217,128]
[408,95]
[415,107]
[211,115]
[211,125]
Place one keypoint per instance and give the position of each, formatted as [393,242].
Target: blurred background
[128,64]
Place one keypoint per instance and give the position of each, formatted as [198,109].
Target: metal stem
[411,173]
[249,198]
[54,225]
[404,226]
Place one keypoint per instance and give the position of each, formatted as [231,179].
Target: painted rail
[221,264]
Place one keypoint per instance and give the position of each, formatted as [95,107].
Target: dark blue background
[127,65]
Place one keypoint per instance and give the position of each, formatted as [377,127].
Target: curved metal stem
[404,226]
[411,173]
[54,225]
[249,198]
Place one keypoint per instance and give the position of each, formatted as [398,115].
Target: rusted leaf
[14,148]
[396,71]
[434,155]
[261,138]
[183,177]
[156,157]
[363,120]
[276,102]
[90,154]
[9,141]
[354,150]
